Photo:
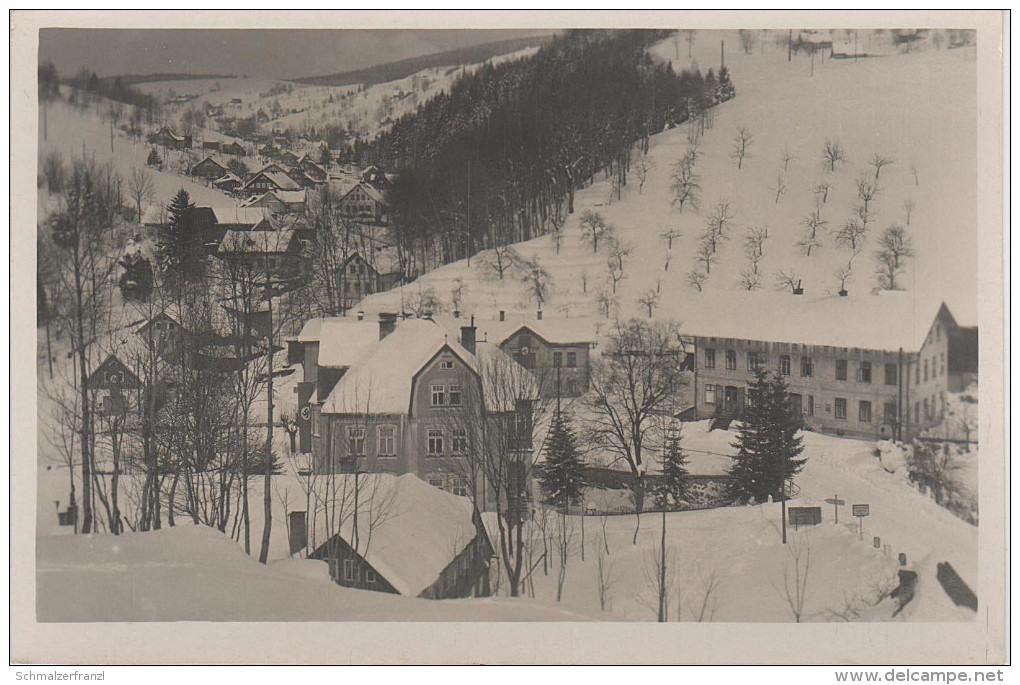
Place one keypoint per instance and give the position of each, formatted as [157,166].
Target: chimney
[387,323]
[538,315]
[361,315]
[467,336]
[502,315]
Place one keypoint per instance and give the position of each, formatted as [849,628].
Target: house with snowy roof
[557,351]
[408,539]
[364,202]
[404,396]
[169,138]
[209,169]
[233,148]
[849,371]
[277,251]
[227,183]
[266,180]
[278,201]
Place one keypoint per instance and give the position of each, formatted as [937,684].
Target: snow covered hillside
[194,573]
[916,109]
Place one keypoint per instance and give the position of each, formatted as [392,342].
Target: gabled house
[410,539]
[314,171]
[209,169]
[228,182]
[263,181]
[402,396]
[233,148]
[278,201]
[288,157]
[301,177]
[365,203]
[117,388]
[277,251]
[167,137]
[212,145]
[557,351]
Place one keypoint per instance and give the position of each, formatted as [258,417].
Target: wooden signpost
[860,511]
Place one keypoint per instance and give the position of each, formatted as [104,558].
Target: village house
[209,169]
[168,138]
[365,203]
[436,548]
[402,396]
[313,170]
[278,201]
[227,183]
[550,348]
[277,251]
[849,373]
[233,148]
[265,180]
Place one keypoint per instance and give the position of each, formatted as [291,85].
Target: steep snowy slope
[916,109]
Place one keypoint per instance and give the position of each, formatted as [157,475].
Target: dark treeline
[497,159]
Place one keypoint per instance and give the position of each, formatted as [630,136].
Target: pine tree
[181,247]
[674,487]
[562,474]
[154,159]
[767,443]
[136,281]
[726,89]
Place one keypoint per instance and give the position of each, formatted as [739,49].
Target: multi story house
[403,396]
[845,375]
[556,351]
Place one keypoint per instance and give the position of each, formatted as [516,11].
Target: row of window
[455,484]
[436,444]
[930,411]
[386,441]
[759,360]
[353,571]
[571,360]
[714,394]
[938,367]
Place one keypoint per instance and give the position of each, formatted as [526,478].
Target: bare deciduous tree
[706,256]
[721,217]
[796,573]
[750,279]
[140,188]
[754,243]
[537,280]
[696,279]
[867,190]
[604,572]
[909,205]
[669,235]
[690,37]
[787,280]
[615,273]
[779,187]
[641,169]
[894,245]
[499,260]
[742,145]
[807,243]
[852,234]
[878,161]
[686,185]
[594,228]
[748,39]
[844,275]
[814,221]
[649,300]
[833,154]
[822,189]
[786,158]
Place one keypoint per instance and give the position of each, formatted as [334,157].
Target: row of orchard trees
[182,441]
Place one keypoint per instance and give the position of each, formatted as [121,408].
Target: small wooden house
[234,148]
[209,169]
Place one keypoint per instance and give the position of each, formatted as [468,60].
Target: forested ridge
[496,159]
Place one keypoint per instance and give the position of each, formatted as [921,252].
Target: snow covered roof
[226,178]
[557,331]
[256,242]
[280,179]
[887,321]
[241,216]
[287,197]
[342,342]
[381,382]
[418,529]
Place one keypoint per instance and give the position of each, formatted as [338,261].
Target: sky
[267,53]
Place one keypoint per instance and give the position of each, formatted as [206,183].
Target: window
[927,414]
[917,375]
[709,358]
[459,441]
[709,394]
[810,405]
[438,395]
[455,395]
[864,372]
[315,422]
[917,412]
[571,360]
[840,369]
[891,374]
[435,441]
[925,370]
[459,486]
[806,367]
[942,363]
[841,408]
[350,570]
[370,576]
[436,482]
[387,441]
[889,412]
[731,360]
[557,359]
[446,365]
[755,361]
[356,441]
[784,364]
[864,411]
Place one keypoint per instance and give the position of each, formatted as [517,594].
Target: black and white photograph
[632,322]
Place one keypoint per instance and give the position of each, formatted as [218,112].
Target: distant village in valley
[588,329]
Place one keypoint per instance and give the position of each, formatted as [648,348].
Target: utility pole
[722,54]
[470,245]
[662,571]
[789,47]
